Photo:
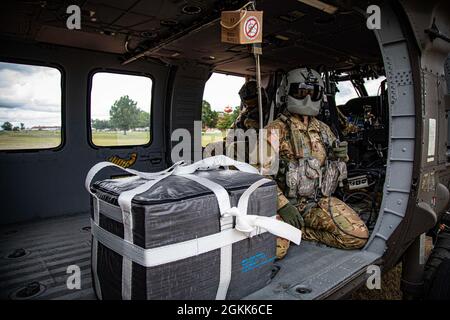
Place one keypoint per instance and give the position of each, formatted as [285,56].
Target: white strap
[220,192]
[125,203]
[246,225]
[111,211]
[169,253]
[126,197]
[178,168]
[215,162]
[272,111]
[226,222]
[250,225]
[115,213]
[226,267]
[97,286]
[145,175]
[172,252]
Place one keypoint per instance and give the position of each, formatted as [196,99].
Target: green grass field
[116,138]
[21,140]
[208,137]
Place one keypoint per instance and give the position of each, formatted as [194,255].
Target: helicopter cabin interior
[174,47]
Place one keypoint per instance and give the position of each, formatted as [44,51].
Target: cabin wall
[186,105]
[50,183]
[447,80]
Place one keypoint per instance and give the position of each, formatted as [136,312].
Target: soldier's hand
[291,215]
[341,150]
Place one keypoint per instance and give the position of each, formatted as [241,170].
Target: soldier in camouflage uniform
[248,118]
[249,115]
[312,165]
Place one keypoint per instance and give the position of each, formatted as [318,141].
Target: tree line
[124,115]
[213,119]
[8,126]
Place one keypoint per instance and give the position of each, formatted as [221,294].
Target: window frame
[365,85]
[354,89]
[62,71]
[89,113]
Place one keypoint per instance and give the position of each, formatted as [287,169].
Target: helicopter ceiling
[173,31]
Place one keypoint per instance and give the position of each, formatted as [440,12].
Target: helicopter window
[345,92]
[120,106]
[30,107]
[373,86]
[220,106]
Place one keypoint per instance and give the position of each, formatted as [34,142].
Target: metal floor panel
[51,246]
[313,271]
[54,244]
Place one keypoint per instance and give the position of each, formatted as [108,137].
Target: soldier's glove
[340,150]
[291,215]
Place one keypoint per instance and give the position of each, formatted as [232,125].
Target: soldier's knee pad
[282,248]
[350,243]
[346,219]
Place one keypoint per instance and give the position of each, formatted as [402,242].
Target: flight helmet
[301,91]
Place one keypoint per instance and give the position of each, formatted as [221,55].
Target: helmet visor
[302,90]
[251,102]
[248,91]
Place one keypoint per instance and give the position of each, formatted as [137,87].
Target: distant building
[228,109]
[142,129]
[46,128]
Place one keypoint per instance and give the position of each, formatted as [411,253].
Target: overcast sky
[222,90]
[347,91]
[32,94]
[109,87]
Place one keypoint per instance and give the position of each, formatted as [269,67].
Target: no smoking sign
[251,28]
[241,26]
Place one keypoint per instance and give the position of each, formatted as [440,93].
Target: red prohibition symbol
[251,28]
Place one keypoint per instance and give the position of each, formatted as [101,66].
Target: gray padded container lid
[175,188]
[178,209]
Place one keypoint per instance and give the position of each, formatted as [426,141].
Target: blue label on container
[255,261]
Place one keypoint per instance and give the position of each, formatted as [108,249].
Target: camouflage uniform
[249,118]
[327,219]
[249,114]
